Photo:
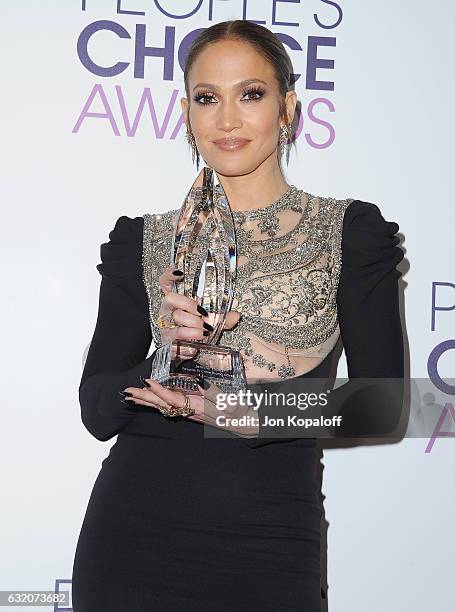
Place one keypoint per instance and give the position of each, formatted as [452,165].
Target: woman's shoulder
[366,213]
[367,237]
[125,228]
[121,256]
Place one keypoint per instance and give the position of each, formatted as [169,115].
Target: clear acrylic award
[204,248]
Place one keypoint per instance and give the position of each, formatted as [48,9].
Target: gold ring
[187,410]
[166,320]
[174,411]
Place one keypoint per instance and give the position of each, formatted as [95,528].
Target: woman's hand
[188,316]
[207,408]
[186,312]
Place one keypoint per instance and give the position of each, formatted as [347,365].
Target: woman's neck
[254,190]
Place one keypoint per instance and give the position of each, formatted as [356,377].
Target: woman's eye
[200,97]
[256,92]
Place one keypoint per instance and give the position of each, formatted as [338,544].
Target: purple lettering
[315,119]
[146,97]
[82,43]
[437,433]
[432,366]
[435,308]
[285,23]
[166,52]
[121,11]
[313,62]
[333,25]
[97,89]
[172,16]
[294,46]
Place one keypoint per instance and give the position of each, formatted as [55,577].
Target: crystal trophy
[204,247]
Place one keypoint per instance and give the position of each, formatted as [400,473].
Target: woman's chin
[228,166]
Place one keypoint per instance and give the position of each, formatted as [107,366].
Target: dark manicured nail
[207,326]
[205,384]
[202,310]
[177,273]
[206,332]
[126,393]
[144,382]
[128,401]
[200,381]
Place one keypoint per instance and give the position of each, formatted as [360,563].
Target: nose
[228,116]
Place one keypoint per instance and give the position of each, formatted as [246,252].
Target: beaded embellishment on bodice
[288,267]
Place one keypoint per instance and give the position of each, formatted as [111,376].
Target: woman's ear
[291,103]
[184,105]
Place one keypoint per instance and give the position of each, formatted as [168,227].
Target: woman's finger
[158,393]
[154,401]
[187,319]
[173,300]
[150,399]
[148,404]
[183,333]
[170,396]
[206,411]
[167,278]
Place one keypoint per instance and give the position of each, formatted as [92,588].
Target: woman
[178,520]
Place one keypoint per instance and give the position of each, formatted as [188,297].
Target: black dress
[180,522]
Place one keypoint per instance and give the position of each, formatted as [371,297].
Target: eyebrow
[238,85]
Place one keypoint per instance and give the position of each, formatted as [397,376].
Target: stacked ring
[166,320]
[174,411]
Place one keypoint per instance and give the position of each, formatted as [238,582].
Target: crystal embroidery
[269,223]
[286,284]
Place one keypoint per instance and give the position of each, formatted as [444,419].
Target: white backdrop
[382,133]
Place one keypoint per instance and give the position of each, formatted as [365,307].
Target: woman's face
[222,106]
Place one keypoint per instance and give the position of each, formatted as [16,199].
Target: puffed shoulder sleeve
[370,324]
[368,293]
[122,337]
[121,256]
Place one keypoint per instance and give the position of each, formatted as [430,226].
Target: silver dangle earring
[194,151]
[285,135]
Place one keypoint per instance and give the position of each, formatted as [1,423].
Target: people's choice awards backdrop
[91,129]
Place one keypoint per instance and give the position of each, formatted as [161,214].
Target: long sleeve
[368,293]
[371,332]
[122,335]
[370,324]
